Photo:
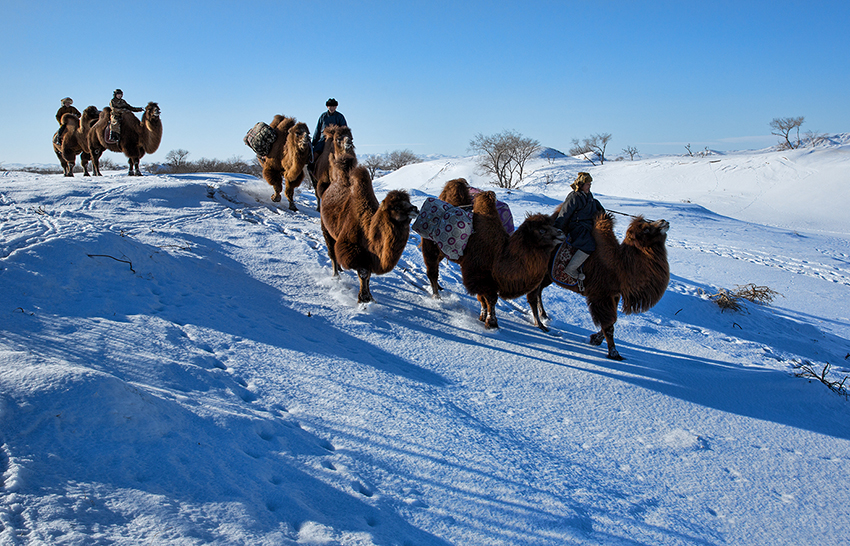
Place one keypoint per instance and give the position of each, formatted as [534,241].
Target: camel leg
[290,195]
[535,301]
[365,295]
[488,310]
[331,244]
[607,334]
[130,163]
[84,161]
[136,172]
[431,255]
[95,162]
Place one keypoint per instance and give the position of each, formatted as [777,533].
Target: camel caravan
[115,128]
[469,227]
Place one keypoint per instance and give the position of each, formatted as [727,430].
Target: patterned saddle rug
[559,267]
[447,225]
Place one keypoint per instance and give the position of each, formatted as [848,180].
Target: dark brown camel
[74,142]
[496,265]
[635,271]
[137,138]
[286,161]
[363,235]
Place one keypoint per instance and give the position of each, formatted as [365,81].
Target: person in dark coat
[331,117]
[119,106]
[66,108]
[576,218]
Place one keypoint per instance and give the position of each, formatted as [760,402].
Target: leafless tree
[782,127]
[592,146]
[813,138]
[399,158]
[631,151]
[176,160]
[688,148]
[373,162]
[504,155]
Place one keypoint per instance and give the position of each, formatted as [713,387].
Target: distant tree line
[389,161]
[177,161]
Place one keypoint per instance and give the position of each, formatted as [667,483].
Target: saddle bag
[260,138]
[448,226]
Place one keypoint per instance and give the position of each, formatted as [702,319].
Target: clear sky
[428,76]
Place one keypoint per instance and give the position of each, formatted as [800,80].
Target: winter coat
[121,104]
[576,218]
[326,120]
[66,110]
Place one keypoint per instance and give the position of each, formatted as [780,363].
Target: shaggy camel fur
[74,140]
[137,138]
[455,192]
[338,143]
[285,164]
[635,270]
[363,235]
[495,264]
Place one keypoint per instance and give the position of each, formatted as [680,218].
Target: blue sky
[429,76]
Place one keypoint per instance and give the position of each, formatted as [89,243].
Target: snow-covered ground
[177,366]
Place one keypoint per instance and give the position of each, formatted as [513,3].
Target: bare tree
[176,160]
[504,155]
[782,127]
[373,162]
[592,146]
[631,151]
[399,158]
[688,148]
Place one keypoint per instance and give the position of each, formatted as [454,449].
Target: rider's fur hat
[581,180]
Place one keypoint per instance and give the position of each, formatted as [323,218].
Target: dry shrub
[807,370]
[730,300]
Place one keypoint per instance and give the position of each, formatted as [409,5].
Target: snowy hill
[178,367]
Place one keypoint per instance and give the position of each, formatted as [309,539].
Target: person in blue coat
[575,219]
[331,117]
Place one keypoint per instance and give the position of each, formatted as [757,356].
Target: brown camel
[495,264]
[74,141]
[635,270]
[137,138]
[455,192]
[287,159]
[338,143]
[361,234]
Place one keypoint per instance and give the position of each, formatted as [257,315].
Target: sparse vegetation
[631,151]
[177,163]
[807,370]
[782,127]
[592,147]
[504,156]
[731,300]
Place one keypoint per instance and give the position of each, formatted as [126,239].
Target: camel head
[151,111]
[299,135]
[397,204]
[647,234]
[91,115]
[539,230]
[341,139]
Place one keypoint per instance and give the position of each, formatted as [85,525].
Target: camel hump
[456,192]
[485,203]
[70,120]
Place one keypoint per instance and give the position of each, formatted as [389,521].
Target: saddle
[559,267]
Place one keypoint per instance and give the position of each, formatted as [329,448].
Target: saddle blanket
[504,212]
[260,138]
[447,225]
[559,266]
